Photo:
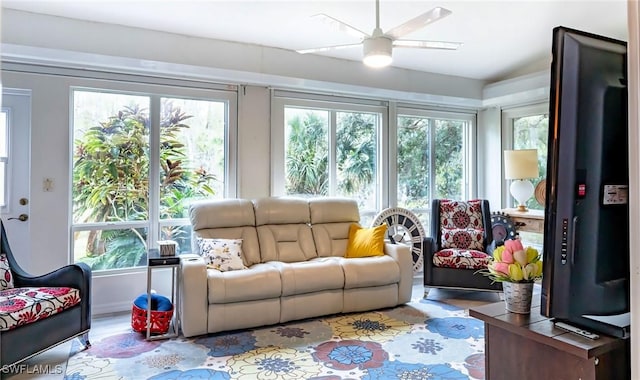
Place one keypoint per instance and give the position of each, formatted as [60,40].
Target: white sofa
[294,250]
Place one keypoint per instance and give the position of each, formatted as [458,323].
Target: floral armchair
[458,246]
[40,312]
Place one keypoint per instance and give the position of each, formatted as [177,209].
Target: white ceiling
[501,38]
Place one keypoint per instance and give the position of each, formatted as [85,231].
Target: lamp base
[521,190]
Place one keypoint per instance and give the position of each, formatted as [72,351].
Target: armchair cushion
[6,278]
[20,306]
[461,259]
[463,238]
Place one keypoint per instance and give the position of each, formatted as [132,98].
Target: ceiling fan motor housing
[377,51]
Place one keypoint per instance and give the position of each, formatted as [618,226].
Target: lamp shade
[520,164]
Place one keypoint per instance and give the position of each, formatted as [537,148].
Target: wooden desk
[529,221]
[520,346]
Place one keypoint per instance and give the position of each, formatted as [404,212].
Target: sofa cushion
[281,211]
[6,277]
[333,210]
[283,230]
[310,276]
[222,254]
[258,282]
[364,242]
[19,306]
[226,219]
[225,213]
[330,221]
[370,271]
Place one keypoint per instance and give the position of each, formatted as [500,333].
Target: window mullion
[333,167]
[154,170]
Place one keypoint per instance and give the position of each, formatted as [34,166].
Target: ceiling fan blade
[340,26]
[327,48]
[418,22]
[427,44]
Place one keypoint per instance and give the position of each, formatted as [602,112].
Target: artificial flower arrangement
[513,263]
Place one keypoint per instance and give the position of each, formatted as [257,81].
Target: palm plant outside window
[348,170]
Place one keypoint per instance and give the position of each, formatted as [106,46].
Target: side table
[529,346]
[155,261]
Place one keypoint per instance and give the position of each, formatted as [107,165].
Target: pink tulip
[501,267]
[507,256]
[513,245]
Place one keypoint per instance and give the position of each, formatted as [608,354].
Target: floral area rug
[421,340]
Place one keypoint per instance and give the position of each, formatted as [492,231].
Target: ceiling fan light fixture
[377,52]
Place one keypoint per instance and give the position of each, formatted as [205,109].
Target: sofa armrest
[193,295]
[402,255]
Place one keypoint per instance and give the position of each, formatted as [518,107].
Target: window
[138,161]
[331,149]
[432,159]
[529,129]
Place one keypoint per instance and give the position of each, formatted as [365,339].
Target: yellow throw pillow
[365,242]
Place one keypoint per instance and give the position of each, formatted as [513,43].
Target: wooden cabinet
[529,221]
[521,346]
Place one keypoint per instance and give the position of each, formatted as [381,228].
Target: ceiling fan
[377,46]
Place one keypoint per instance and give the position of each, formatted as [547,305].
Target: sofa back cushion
[330,221]
[283,229]
[226,219]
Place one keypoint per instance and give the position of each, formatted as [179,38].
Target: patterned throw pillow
[6,278]
[462,238]
[460,214]
[222,254]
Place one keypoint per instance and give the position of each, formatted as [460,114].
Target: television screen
[586,237]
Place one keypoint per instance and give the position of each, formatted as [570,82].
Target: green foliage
[413,161]
[111,181]
[356,153]
[307,156]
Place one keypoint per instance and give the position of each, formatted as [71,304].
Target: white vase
[517,296]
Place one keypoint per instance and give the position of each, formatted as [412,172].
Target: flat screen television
[586,236]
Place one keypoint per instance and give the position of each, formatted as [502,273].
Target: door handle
[22,218]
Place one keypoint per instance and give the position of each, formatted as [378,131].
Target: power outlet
[47,184]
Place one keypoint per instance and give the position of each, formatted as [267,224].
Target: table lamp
[520,166]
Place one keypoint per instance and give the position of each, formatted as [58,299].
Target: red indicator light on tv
[582,190]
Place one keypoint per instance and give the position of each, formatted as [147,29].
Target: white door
[15,127]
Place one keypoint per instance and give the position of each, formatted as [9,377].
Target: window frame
[333,104]
[470,182]
[154,225]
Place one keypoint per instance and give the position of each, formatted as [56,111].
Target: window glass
[431,162]
[192,161]
[531,132]
[356,157]
[333,152]
[306,152]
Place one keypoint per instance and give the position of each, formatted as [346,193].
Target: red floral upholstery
[19,306]
[6,278]
[461,259]
[461,235]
